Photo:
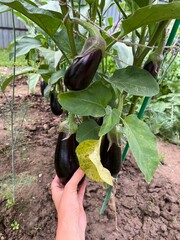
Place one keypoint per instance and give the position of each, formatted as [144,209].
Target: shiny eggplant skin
[66,162]
[111,158]
[43,85]
[151,68]
[55,106]
[81,72]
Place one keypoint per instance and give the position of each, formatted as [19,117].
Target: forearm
[68,232]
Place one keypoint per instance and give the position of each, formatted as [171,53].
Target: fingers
[82,191]
[75,179]
[56,183]
[56,187]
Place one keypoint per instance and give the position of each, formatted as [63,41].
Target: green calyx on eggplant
[155,59]
[54,104]
[81,72]
[66,162]
[110,154]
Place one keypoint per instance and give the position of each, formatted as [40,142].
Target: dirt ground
[143,212]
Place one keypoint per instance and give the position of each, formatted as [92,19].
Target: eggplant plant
[101,69]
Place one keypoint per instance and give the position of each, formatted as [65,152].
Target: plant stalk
[133,105]
[120,8]
[139,60]
[69,26]
[12,112]
[94,10]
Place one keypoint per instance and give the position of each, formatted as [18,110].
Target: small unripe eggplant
[55,106]
[111,156]
[151,68]
[153,63]
[66,162]
[80,74]
[43,85]
[99,121]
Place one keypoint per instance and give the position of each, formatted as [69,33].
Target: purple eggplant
[151,68]
[55,106]
[66,162]
[43,85]
[110,156]
[80,74]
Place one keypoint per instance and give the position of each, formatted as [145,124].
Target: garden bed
[143,212]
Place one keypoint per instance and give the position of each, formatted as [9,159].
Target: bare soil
[143,212]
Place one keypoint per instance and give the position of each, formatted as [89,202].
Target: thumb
[75,179]
[82,191]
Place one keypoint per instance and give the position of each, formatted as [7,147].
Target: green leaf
[89,161]
[135,81]
[24,45]
[110,120]
[45,72]
[18,73]
[148,15]
[110,21]
[47,91]
[33,79]
[142,3]
[143,145]
[124,53]
[151,14]
[62,41]
[88,102]
[88,129]
[47,20]
[56,76]
[52,5]
[51,56]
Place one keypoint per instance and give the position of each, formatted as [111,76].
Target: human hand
[68,201]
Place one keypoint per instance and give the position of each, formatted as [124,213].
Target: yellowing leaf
[89,161]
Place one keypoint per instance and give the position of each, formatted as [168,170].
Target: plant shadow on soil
[143,212]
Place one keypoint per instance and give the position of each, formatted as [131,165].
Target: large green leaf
[88,102]
[88,153]
[45,71]
[24,45]
[52,5]
[142,3]
[56,76]
[151,14]
[51,56]
[47,20]
[110,120]
[143,145]
[62,41]
[124,55]
[88,129]
[18,73]
[148,15]
[33,79]
[135,81]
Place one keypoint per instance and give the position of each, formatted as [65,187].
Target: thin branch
[128,43]
[12,111]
